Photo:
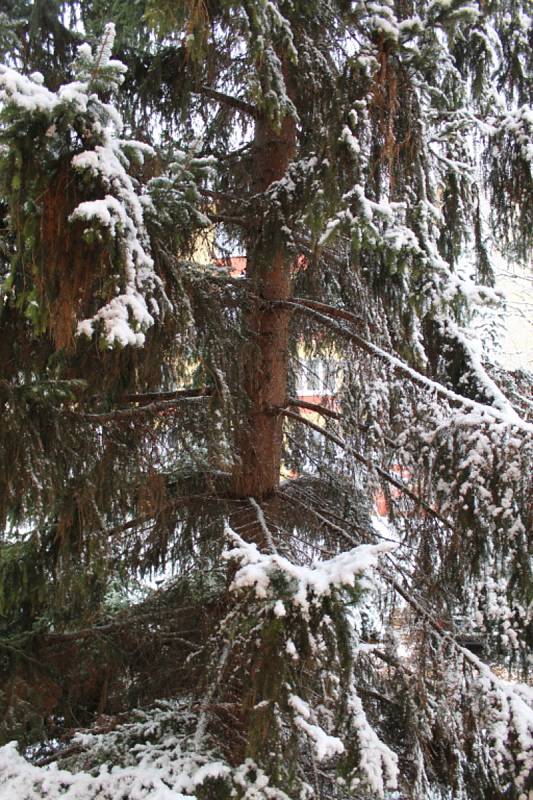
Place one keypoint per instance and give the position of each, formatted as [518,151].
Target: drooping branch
[362,460]
[331,311]
[415,604]
[326,317]
[325,411]
[155,513]
[329,519]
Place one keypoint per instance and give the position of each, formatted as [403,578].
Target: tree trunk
[259,442]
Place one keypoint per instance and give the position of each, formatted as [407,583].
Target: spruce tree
[197,598]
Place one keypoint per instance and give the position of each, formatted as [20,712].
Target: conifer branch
[328,520]
[263,524]
[229,100]
[104,50]
[229,198]
[149,408]
[324,411]
[316,407]
[437,628]
[65,752]
[401,367]
[148,397]
[228,219]
[411,601]
[331,311]
[362,460]
[239,151]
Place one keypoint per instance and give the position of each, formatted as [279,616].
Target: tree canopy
[197,595]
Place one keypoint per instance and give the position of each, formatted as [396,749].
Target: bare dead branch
[316,407]
[149,397]
[148,408]
[74,749]
[229,100]
[227,219]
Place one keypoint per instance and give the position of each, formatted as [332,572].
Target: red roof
[236,265]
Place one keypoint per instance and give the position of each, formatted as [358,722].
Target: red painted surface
[236,265]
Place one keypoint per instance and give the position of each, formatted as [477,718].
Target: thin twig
[215,195]
[263,524]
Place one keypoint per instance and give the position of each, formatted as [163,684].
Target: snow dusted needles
[116,218]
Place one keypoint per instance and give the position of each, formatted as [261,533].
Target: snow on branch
[325,746]
[27,94]
[518,123]
[507,711]
[502,412]
[165,769]
[377,762]
[117,216]
[258,570]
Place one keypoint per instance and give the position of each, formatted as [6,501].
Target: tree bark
[259,442]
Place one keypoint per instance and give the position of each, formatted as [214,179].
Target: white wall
[517,344]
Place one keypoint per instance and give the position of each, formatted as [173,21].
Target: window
[318,376]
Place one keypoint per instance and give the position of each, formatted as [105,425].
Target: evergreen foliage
[194,587]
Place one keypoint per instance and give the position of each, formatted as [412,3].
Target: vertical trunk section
[259,442]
